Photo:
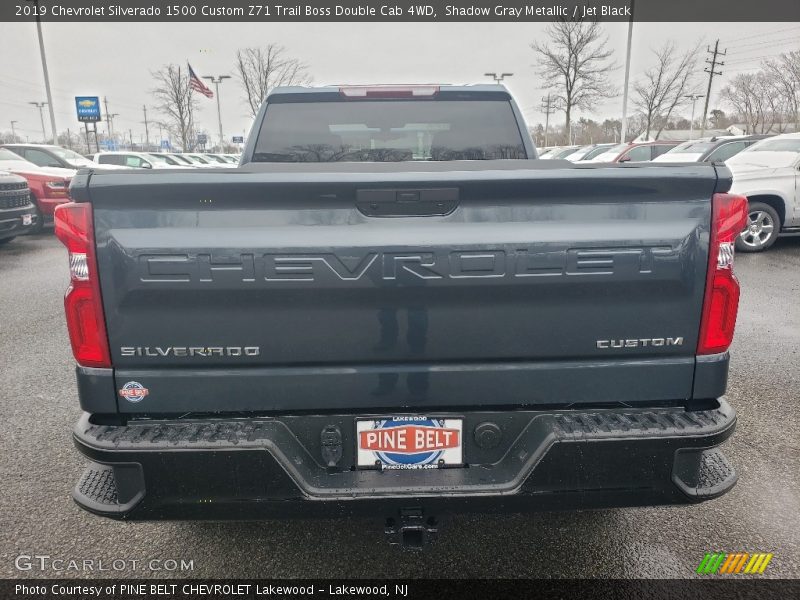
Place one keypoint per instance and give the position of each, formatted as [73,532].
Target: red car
[49,185]
[634,152]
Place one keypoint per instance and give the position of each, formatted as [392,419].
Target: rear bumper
[272,467]
[47,206]
[11,222]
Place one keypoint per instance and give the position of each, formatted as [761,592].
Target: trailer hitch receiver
[411,529]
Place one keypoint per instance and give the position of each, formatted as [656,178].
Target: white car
[135,160]
[199,160]
[768,173]
[219,160]
[560,153]
[588,152]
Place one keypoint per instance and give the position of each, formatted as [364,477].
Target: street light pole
[146,130]
[498,78]
[44,70]
[624,125]
[694,98]
[40,106]
[216,81]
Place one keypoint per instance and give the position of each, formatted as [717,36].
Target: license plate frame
[409,442]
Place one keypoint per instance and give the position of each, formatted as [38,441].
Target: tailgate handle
[407,202]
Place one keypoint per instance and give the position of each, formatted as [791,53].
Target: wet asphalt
[39,467]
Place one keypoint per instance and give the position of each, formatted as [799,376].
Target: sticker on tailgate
[409,442]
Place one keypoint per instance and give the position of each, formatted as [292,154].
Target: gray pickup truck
[392,308]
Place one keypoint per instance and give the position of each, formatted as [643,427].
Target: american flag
[197,85]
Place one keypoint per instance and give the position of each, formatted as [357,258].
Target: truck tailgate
[309,287]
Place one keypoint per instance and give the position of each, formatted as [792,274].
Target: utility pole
[693,98]
[548,107]
[216,81]
[40,106]
[498,78]
[160,132]
[624,126]
[711,72]
[13,132]
[130,133]
[44,70]
[146,130]
[109,118]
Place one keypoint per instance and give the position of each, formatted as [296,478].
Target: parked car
[165,158]
[46,155]
[182,161]
[134,160]
[714,149]
[768,173]
[400,325]
[49,186]
[588,152]
[560,153]
[199,161]
[634,152]
[219,161]
[17,211]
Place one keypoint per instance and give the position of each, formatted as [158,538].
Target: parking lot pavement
[39,466]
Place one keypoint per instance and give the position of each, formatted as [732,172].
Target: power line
[762,34]
[767,43]
[742,61]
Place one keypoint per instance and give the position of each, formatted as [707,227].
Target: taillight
[82,302]
[721,301]
[58,187]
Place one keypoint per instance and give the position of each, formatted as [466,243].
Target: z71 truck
[393,308]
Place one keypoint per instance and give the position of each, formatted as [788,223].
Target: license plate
[409,442]
[27,219]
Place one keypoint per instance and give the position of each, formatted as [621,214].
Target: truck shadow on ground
[539,545]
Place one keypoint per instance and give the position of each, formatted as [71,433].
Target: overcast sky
[115,60]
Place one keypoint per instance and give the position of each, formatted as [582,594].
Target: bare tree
[663,87]
[574,65]
[784,77]
[747,95]
[176,101]
[262,69]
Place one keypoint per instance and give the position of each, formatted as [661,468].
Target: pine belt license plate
[414,442]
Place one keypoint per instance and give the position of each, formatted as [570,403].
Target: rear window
[6,154]
[389,131]
[784,145]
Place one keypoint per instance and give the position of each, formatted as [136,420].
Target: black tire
[6,240]
[755,237]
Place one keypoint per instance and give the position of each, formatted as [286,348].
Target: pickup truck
[393,308]
[17,213]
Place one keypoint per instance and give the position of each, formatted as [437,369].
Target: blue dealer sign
[88,108]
